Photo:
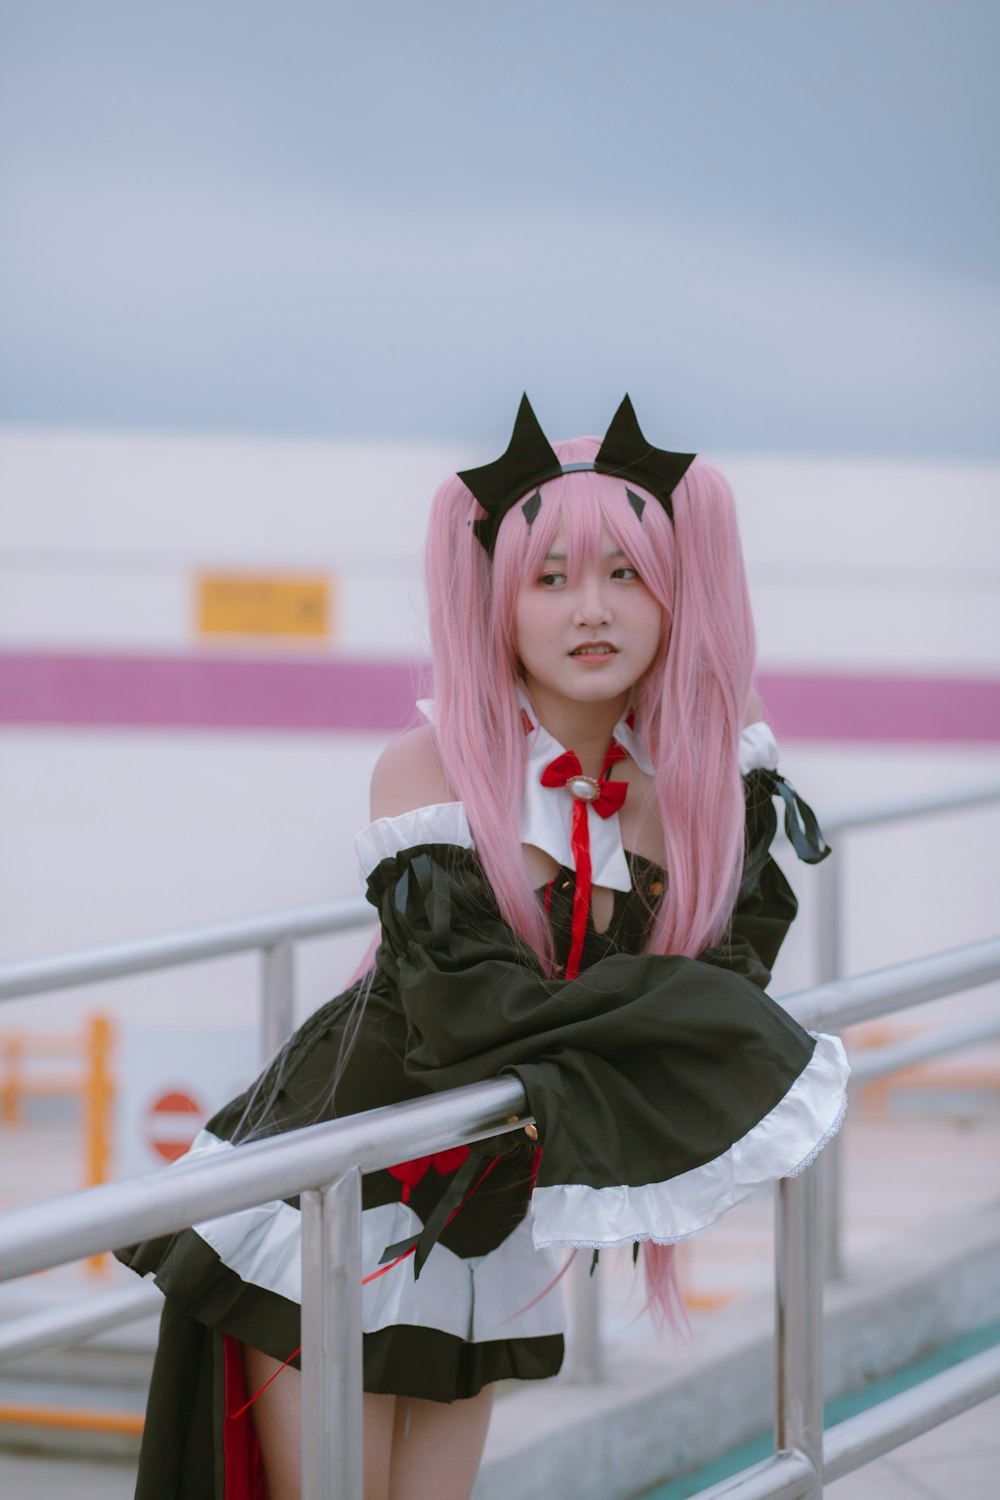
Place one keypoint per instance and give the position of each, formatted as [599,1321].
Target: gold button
[656,889]
[531,1131]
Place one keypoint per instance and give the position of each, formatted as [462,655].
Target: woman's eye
[626,573]
[552,580]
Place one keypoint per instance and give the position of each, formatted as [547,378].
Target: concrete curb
[665,1410]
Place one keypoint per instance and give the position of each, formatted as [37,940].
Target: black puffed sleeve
[642,1069]
[766,905]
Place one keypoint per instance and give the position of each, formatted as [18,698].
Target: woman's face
[591,640]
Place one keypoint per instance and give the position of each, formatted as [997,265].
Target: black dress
[665,1090]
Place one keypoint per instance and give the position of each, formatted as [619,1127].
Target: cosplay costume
[665,1090]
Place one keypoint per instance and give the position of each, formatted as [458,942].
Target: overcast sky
[774,221]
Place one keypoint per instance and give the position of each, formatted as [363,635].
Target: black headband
[530,461]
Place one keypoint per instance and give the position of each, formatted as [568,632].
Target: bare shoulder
[409,774]
[755,708]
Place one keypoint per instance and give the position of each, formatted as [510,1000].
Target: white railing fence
[275,936]
[324,1164]
[830,961]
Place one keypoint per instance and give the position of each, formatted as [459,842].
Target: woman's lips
[597,649]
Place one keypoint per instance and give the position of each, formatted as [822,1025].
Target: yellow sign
[264,604]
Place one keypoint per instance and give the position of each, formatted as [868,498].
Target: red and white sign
[173,1121]
[171,1080]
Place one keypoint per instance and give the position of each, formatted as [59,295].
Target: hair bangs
[583,502]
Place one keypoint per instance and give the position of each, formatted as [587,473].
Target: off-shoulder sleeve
[438,823]
[766,905]
[665,1089]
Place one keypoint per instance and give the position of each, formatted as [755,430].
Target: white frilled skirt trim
[478,1299]
[783,1143]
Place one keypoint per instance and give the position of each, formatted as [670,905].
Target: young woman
[570,861]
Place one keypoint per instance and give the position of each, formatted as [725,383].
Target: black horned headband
[530,460]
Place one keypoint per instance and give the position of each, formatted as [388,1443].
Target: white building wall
[855,565]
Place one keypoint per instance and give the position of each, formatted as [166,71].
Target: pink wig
[689,706]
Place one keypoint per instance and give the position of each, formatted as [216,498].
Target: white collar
[547,812]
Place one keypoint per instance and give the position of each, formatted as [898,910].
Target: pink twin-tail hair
[689,706]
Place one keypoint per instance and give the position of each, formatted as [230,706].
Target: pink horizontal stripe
[206,692]
[297,694]
[890,710]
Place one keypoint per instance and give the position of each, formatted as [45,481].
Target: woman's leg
[436,1448]
[378,1416]
[277,1416]
[277,1419]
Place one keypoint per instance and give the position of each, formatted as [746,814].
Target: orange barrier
[17,1049]
[928,1076]
[72,1418]
[92,1083]
[931,1073]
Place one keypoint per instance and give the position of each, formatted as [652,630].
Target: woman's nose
[593,607]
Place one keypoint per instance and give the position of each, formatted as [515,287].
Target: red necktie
[606,798]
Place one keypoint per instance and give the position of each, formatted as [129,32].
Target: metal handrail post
[830,936]
[830,1170]
[830,966]
[586,1335]
[798,1285]
[277,996]
[332,1437]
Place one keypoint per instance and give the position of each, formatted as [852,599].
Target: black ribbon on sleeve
[801,825]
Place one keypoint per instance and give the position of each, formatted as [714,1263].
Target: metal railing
[831,875]
[830,961]
[324,1163]
[273,935]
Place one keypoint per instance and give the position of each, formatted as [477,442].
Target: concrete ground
[959,1459]
[902,1176]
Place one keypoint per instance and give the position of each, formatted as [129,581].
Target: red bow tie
[606,798]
